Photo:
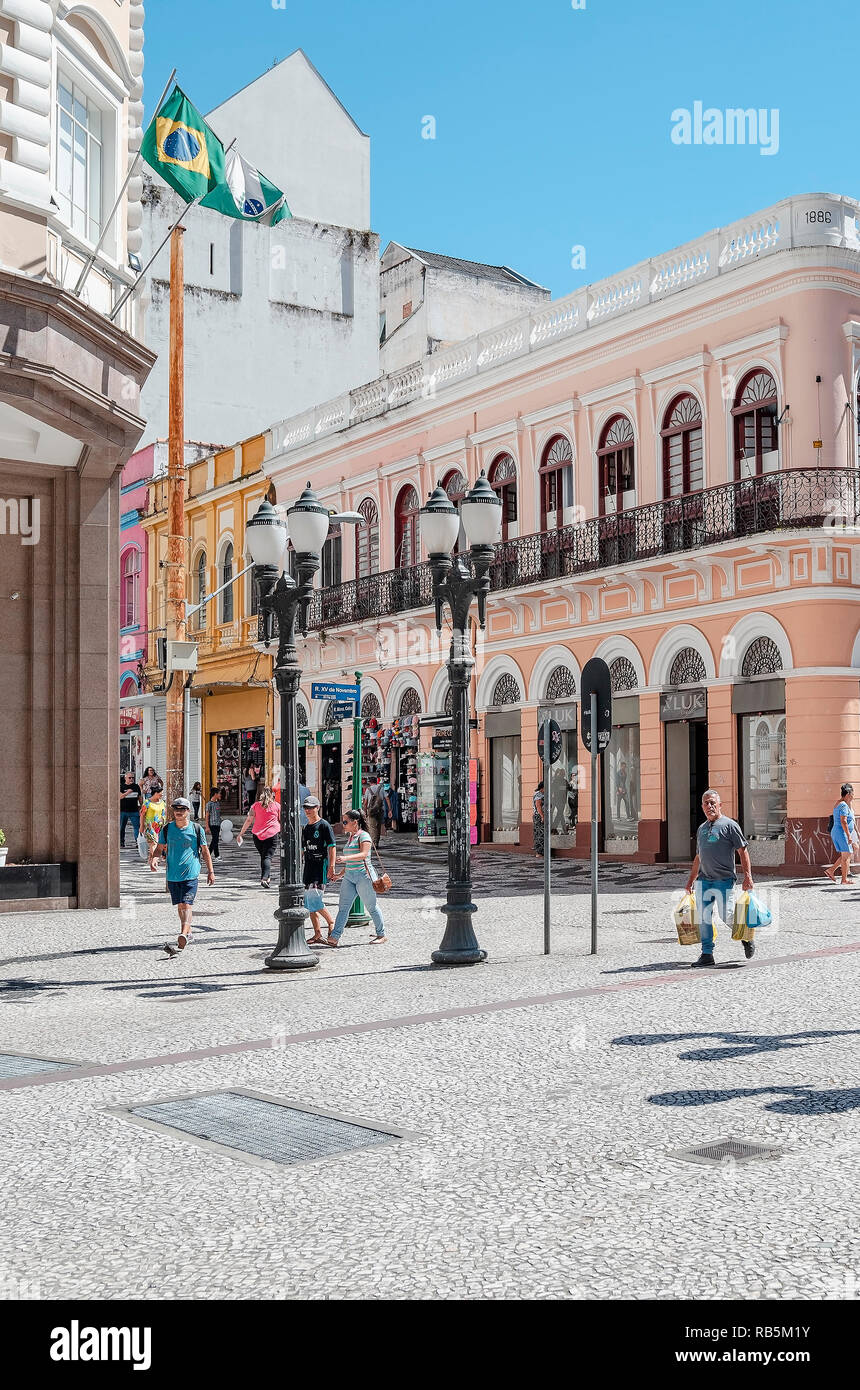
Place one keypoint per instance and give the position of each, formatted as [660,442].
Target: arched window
[130,588]
[449,701]
[406,528]
[556,482]
[301,716]
[616,466]
[506,691]
[761,658]
[331,559]
[410,703]
[622,675]
[688,668]
[755,412]
[367,540]
[370,707]
[457,485]
[560,685]
[683,468]
[502,478]
[200,591]
[226,577]
[762,743]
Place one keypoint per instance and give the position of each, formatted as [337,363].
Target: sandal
[375,940]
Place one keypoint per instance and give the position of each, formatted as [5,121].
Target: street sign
[596,678]
[329,690]
[342,710]
[554,742]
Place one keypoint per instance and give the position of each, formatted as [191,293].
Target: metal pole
[459,944]
[594,822]
[357,915]
[90,261]
[547,844]
[292,951]
[175,564]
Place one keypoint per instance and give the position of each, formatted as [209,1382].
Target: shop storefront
[684,716]
[759,708]
[434,789]
[237,754]
[621,778]
[502,729]
[562,799]
[333,795]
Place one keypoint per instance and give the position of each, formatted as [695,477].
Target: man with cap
[184,844]
[318,848]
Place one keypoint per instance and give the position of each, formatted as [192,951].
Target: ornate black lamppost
[456,581]
[286,599]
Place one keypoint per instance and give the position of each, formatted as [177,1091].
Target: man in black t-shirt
[130,802]
[319,849]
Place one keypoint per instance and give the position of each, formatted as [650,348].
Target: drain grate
[728,1150]
[13,1065]
[246,1125]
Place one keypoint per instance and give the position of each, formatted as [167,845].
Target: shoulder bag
[383,883]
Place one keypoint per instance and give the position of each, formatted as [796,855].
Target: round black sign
[554,742]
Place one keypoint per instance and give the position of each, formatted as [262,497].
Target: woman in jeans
[355,879]
[265,819]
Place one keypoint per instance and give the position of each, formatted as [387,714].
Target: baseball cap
[311,801]
[180,804]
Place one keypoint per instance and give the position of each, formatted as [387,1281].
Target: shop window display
[621,789]
[763,775]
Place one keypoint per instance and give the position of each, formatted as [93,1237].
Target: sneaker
[704,962]
[749,949]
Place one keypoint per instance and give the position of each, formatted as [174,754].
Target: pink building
[676,449]
[132,603]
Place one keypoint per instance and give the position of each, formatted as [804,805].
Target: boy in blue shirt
[184,844]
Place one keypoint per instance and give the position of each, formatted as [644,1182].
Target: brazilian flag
[181,147]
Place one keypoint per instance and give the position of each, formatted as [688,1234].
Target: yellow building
[233,681]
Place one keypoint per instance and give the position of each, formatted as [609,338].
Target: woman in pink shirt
[264,817]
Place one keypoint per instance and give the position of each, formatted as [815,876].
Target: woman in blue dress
[843,835]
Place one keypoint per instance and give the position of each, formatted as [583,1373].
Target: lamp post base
[459,945]
[292,951]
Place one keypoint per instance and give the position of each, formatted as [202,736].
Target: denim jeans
[131,818]
[710,894]
[356,883]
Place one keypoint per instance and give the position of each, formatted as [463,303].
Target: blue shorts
[183,890]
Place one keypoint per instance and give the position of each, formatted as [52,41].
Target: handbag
[383,883]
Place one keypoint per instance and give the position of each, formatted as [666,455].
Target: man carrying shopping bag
[713,873]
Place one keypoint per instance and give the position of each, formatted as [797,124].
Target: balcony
[792,500]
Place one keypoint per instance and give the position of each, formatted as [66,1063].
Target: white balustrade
[809,220]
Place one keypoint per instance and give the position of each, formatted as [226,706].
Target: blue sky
[552,124]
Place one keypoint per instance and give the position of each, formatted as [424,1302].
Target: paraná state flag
[246,193]
[181,147]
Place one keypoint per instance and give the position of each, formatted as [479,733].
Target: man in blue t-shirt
[713,873]
[184,844]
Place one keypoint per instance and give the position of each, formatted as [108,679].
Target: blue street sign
[342,710]
[328,690]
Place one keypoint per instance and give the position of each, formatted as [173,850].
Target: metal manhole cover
[13,1065]
[728,1150]
[246,1125]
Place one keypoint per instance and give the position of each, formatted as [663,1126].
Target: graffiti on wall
[808,842]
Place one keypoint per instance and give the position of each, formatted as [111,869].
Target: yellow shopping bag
[741,930]
[687,921]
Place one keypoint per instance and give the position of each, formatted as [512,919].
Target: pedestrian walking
[249,782]
[130,802]
[318,855]
[355,878]
[147,781]
[184,845]
[265,819]
[713,873]
[196,798]
[538,821]
[389,806]
[374,809]
[213,821]
[153,815]
[843,834]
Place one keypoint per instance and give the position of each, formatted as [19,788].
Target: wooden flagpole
[176,557]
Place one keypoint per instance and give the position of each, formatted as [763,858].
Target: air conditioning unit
[181,656]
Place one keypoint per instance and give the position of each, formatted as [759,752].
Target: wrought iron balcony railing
[785,501]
